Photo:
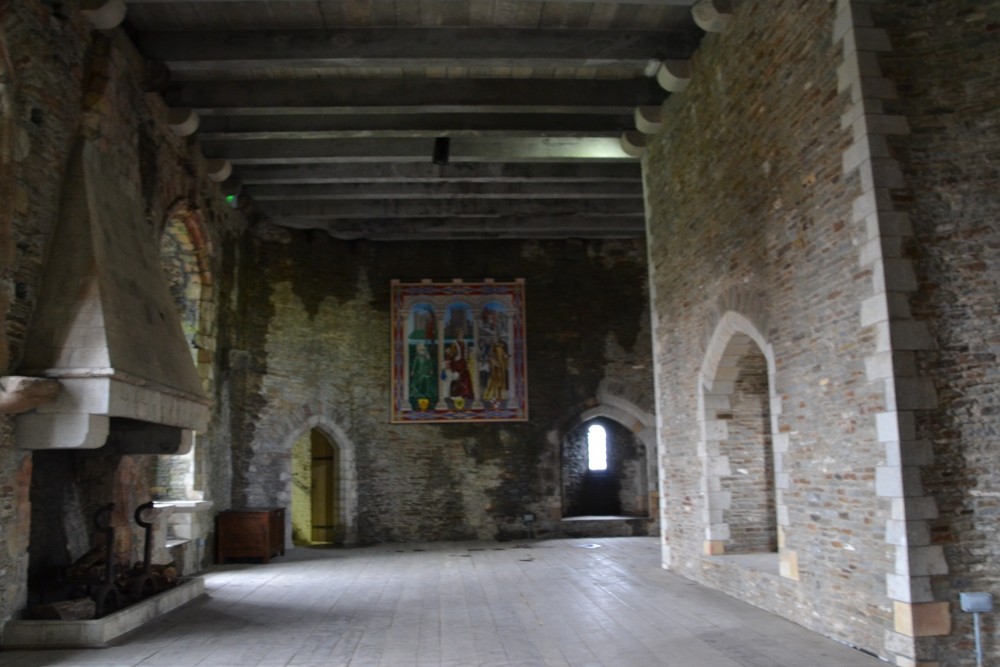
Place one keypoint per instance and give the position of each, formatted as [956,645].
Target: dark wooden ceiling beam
[463,149]
[564,123]
[469,172]
[393,47]
[539,189]
[512,227]
[653,3]
[454,209]
[432,95]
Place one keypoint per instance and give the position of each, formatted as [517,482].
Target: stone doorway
[316,512]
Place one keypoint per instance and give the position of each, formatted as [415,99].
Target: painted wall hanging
[458,352]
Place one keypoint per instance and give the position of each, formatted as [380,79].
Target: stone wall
[318,356]
[36,128]
[850,234]
[945,66]
[752,239]
[61,83]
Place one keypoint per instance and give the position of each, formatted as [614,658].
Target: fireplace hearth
[101,632]
[101,576]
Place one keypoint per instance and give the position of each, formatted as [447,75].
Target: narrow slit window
[597,448]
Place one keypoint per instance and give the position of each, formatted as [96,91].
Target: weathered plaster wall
[318,352]
[750,214]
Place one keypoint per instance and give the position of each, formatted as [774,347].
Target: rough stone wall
[749,213]
[61,82]
[317,331]
[945,63]
[39,52]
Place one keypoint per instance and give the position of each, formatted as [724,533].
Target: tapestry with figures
[458,352]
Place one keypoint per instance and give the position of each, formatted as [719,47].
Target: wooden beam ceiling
[328,112]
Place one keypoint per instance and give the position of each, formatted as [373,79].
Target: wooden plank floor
[559,603]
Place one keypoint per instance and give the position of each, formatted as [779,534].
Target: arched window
[604,471]
[183,253]
[597,448]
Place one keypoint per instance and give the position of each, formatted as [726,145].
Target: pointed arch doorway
[317,515]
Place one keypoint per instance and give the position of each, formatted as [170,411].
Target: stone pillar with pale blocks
[892,367]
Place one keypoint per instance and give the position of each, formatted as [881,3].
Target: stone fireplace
[120,386]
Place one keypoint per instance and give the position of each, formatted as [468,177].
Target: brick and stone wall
[36,130]
[848,234]
[318,336]
[61,83]
[752,239]
[945,65]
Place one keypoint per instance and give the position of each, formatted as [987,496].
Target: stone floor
[576,602]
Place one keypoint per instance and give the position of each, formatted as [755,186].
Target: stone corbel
[103,14]
[712,15]
[633,143]
[218,170]
[183,122]
[674,75]
[20,394]
[648,120]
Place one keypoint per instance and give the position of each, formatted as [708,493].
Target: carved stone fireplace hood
[106,328]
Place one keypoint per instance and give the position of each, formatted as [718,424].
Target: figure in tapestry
[423,385]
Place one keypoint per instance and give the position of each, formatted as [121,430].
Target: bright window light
[597,448]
